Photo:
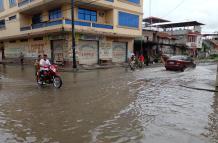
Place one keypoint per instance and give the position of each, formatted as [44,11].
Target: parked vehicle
[179,63]
[50,77]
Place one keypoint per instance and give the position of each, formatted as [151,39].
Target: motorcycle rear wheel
[57,82]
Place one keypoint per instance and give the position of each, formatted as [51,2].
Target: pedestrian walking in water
[21,58]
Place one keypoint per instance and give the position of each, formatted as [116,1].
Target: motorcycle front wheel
[57,82]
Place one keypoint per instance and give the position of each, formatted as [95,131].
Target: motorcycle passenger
[37,65]
[44,66]
[133,58]
[132,62]
[141,61]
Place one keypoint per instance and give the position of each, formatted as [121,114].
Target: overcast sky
[205,11]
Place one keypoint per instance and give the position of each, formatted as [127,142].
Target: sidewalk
[97,67]
[83,68]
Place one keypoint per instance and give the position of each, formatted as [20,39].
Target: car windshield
[178,58]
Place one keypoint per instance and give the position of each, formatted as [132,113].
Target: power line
[177,6]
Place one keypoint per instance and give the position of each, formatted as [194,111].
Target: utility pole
[73,36]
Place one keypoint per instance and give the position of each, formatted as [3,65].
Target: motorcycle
[49,77]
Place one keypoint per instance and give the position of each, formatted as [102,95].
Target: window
[37,19]
[1,5]
[191,39]
[12,17]
[55,14]
[12,3]
[128,20]
[2,23]
[85,14]
[134,1]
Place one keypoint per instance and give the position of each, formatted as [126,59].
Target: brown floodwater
[109,106]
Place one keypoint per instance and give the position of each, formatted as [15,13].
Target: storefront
[57,51]
[90,49]
[119,52]
[88,52]
[13,49]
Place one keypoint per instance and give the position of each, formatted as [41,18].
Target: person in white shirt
[44,63]
[44,66]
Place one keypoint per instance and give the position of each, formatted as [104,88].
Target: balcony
[66,22]
[24,2]
[90,24]
[31,6]
[110,0]
[36,6]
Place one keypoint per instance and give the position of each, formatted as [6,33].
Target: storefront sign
[105,50]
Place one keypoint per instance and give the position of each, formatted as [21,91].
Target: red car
[179,63]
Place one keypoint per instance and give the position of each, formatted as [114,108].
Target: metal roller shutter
[88,52]
[119,52]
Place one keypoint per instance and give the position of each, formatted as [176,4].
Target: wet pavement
[109,106]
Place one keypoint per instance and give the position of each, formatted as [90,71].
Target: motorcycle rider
[133,58]
[44,66]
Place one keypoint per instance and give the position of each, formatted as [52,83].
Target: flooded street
[110,106]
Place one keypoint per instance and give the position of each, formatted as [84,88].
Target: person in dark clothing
[21,58]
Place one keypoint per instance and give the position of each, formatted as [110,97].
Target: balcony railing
[25,28]
[67,22]
[110,0]
[42,25]
[90,24]
[24,2]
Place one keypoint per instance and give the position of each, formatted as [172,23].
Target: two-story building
[105,29]
[186,33]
